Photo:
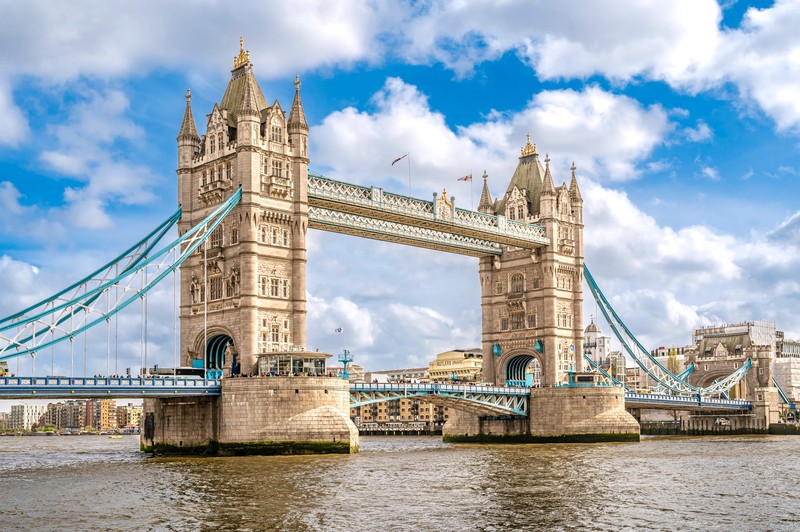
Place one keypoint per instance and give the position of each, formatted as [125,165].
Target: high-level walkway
[371,212]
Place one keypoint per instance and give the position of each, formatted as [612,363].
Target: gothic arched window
[517,282]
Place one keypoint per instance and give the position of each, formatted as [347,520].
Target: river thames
[406,483]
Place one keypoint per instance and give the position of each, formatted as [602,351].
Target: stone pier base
[590,414]
[272,415]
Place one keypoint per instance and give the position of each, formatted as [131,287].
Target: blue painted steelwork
[684,402]
[482,399]
[105,387]
[784,397]
[515,370]
[215,352]
[655,369]
[478,399]
[134,254]
[29,333]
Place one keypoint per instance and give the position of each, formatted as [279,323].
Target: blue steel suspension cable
[81,302]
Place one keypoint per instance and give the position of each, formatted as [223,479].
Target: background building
[595,345]
[128,416]
[25,417]
[458,365]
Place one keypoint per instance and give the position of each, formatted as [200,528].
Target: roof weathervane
[528,149]
[188,95]
[244,55]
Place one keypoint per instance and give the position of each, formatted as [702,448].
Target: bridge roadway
[483,400]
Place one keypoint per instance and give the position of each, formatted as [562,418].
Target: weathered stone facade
[275,415]
[247,285]
[532,299]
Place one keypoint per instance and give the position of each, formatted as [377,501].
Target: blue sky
[683,118]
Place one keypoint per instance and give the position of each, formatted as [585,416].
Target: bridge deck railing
[435,387]
[134,382]
[376,198]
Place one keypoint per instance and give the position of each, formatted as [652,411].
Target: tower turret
[248,120]
[548,194]
[297,126]
[188,139]
[485,205]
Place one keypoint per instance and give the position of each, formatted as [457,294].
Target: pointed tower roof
[574,191]
[485,205]
[188,129]
[528,177]
[241,75]
[297,118]
[548,187]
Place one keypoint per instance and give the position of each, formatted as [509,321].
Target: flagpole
[410,192]
[471,194]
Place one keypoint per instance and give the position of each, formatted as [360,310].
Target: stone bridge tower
[245,293]
[532,300]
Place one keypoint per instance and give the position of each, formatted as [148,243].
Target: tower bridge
[247,200]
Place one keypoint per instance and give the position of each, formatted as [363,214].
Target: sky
[682,117]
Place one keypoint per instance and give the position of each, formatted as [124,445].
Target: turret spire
[297,118]
[485,205]
[188,129]
[249,103]
[574,192]
[548,187]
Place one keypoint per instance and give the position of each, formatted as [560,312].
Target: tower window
[277,168]
[518,320]
[517,283]
[234,235]
[216,288]
[216,238]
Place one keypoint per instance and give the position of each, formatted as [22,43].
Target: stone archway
[524,370]
[216,349]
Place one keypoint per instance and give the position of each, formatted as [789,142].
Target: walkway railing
[105,387]
[373,213]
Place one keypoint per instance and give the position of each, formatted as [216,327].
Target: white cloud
[15,124]
[606,134]
[701,133]
[616,40]
[87,149]
[711,173]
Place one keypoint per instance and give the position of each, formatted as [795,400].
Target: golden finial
[444,194]
[528,149]
[244,56]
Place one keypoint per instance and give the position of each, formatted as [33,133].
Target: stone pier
[267,415]
[560,414]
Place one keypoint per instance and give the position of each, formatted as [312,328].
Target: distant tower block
[532,300]
[249,286]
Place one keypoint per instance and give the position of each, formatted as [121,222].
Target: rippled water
[96,483]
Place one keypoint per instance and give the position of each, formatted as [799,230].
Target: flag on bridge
[399,159]
[466,178]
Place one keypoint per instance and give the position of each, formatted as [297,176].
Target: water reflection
[744,482]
